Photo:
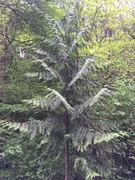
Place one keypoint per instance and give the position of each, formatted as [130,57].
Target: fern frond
[104,92]
[47,74]
[51,102]
[58,43]
[82,164]
[91,174]
[84,137]
[47,57]
[63,100]
[107,137]
[49,69]
[78,36]
[14,125]
[83,70]
[31,127]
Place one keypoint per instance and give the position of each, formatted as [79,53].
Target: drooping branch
[90,102]
[82,71]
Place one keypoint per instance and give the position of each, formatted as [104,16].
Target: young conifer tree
[72,89]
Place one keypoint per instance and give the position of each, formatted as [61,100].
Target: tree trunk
[66,148]
[67,121]
[67,173]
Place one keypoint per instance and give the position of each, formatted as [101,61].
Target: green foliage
[28,160]
[19,87]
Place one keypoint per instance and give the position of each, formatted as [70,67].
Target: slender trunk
[66,144]
[66,148]
[67,173]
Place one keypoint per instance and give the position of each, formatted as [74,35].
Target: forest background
[67,92]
